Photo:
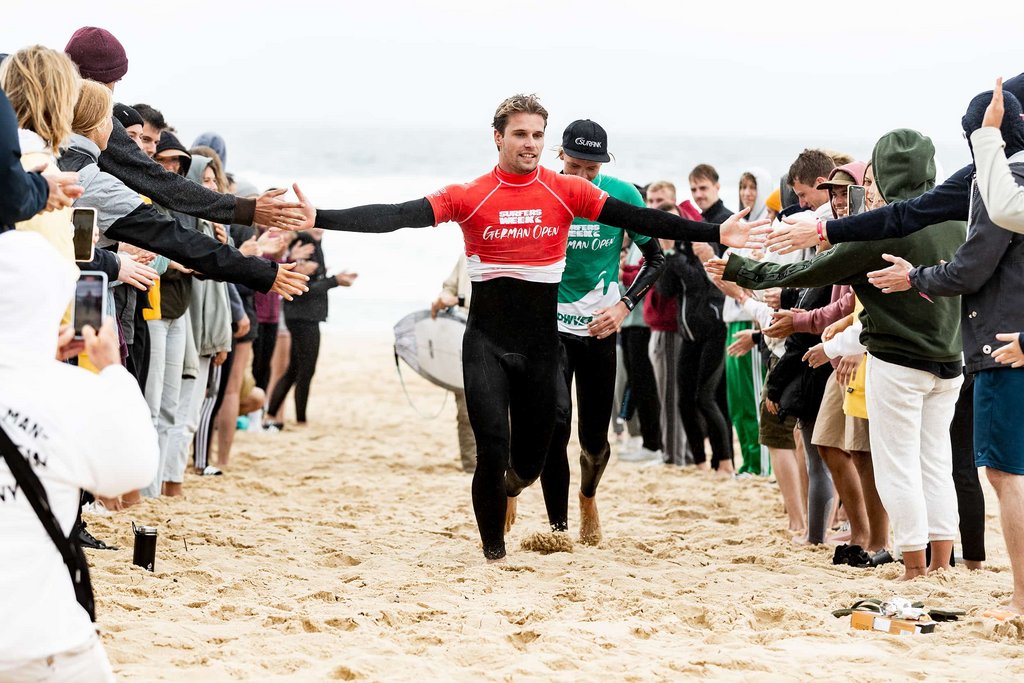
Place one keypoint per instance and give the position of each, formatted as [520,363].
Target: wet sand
[347,550]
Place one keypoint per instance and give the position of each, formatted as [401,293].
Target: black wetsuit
[510,354]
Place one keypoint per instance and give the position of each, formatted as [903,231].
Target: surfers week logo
[588,237]
[520,224]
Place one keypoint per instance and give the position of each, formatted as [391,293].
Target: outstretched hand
[715,267]
[994,112]
[274,212]
[793,234]
[895,278]
[742,235]
[289,283]
[308,210]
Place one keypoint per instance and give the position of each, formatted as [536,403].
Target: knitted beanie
[99,55]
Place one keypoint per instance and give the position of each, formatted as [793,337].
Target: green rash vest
[591,277]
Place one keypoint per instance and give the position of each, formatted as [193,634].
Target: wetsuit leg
[819,488]
[511,372]
[688,386]
[309,340]
[487,398]
[262,352]
[969,495]
[554,480]
[595,389]
[710,385]
[533,409]
[643,385]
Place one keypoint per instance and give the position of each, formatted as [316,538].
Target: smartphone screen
[90,300]
[84,222]
[855,199]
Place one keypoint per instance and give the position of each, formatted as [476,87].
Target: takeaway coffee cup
[145,546]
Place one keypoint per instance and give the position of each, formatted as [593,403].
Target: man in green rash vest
[591,308]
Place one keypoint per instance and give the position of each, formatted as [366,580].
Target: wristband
[821,232]
[629,304]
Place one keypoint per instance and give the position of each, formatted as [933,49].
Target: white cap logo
[587,143]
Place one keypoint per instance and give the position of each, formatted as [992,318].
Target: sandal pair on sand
[855,556]
[875,605]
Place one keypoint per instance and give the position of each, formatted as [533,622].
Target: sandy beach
[347,550]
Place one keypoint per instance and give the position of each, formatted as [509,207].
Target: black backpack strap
[33,489]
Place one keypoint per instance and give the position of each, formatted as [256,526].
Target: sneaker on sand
[87,540]
[641,455]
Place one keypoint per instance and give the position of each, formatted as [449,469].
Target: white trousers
[85,664]
[179,440]
[910,411]
[167,340]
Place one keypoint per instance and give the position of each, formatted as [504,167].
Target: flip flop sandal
[868,605]
[946,614]
[999,614]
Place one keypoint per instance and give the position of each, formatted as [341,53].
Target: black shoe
[843,552]
[87,540]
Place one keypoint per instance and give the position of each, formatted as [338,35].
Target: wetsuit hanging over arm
[378,217]
[657,223]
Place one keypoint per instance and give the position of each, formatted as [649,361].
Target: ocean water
[402,271]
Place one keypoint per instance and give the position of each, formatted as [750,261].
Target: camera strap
[71,552]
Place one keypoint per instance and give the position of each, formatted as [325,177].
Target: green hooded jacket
[903,328]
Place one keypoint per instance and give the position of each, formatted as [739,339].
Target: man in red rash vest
[515,221]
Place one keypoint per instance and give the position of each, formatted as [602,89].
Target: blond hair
[95,106]
[517,104]
[42,85]
[662,185]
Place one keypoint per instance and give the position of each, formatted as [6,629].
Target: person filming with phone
[56,440]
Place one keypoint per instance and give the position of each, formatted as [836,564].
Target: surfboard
[433,346]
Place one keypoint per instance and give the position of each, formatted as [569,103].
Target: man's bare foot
[510,514]
[590,523]
[974,565]
[801,540]
[172,488]
[703,466]
[131,498]
[914,572]
[500,560]
[111,504]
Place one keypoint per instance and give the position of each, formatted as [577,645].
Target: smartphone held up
[83,222]
[90,301]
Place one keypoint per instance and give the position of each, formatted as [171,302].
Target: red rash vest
[517,225]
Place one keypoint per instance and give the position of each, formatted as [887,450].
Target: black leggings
[262,352]
[510,367]
[301,367]
[643,389]
[592,361]
[969,496]
[701,364]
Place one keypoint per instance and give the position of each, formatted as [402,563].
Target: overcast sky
[781,69]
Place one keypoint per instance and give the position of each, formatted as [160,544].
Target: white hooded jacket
[76,429]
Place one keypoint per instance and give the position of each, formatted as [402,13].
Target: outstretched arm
[664,225]
[368,218]
[946,202]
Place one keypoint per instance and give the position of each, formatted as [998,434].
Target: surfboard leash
[408,398]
